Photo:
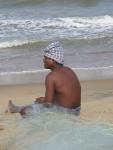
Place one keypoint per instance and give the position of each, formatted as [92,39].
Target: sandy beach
[85,30]
[96,106]
[97,98]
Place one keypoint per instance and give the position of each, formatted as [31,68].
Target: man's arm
[49,93]
[50,90]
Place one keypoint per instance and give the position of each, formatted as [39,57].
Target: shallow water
[85,29]
[55,131]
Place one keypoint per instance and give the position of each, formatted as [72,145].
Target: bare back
[67,88]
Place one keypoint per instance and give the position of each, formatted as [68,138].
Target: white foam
[38,76]
[15,43]
[77,27]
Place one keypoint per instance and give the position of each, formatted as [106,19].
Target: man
[62,85]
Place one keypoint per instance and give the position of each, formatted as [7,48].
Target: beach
[96,103]
[85,30]
[96,107]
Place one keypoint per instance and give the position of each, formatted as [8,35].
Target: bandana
[55,52]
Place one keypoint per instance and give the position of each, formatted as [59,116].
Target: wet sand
[97,100]
[96,105]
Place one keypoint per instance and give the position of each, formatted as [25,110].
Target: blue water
[84,27]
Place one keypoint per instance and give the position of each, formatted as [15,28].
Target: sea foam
[24,31]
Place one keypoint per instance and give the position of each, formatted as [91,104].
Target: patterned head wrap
[55,52]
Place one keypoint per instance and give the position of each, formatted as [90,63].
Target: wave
[27,43]
[38,76]
[16,2]
[17,43]
[36,2]
[31,31]
[68,22]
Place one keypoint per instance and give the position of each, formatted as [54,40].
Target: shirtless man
[62,85]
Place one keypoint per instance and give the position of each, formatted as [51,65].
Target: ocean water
[84,28]
[55,131]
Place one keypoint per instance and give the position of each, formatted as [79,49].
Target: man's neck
[56,67]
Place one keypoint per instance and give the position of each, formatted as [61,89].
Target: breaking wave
[31,31]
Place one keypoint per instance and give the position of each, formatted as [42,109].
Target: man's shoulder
[49,78]
[53,75]
[62,71]
[68,69]
[50,75]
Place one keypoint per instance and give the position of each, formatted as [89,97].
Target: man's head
[54,52]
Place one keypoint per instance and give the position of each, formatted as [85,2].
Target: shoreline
[38,76]
[96,108]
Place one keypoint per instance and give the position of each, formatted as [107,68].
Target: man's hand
[40,100]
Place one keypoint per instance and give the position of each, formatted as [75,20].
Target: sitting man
[62,85]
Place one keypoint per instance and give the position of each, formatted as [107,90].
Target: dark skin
[62,89]
[62,86]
